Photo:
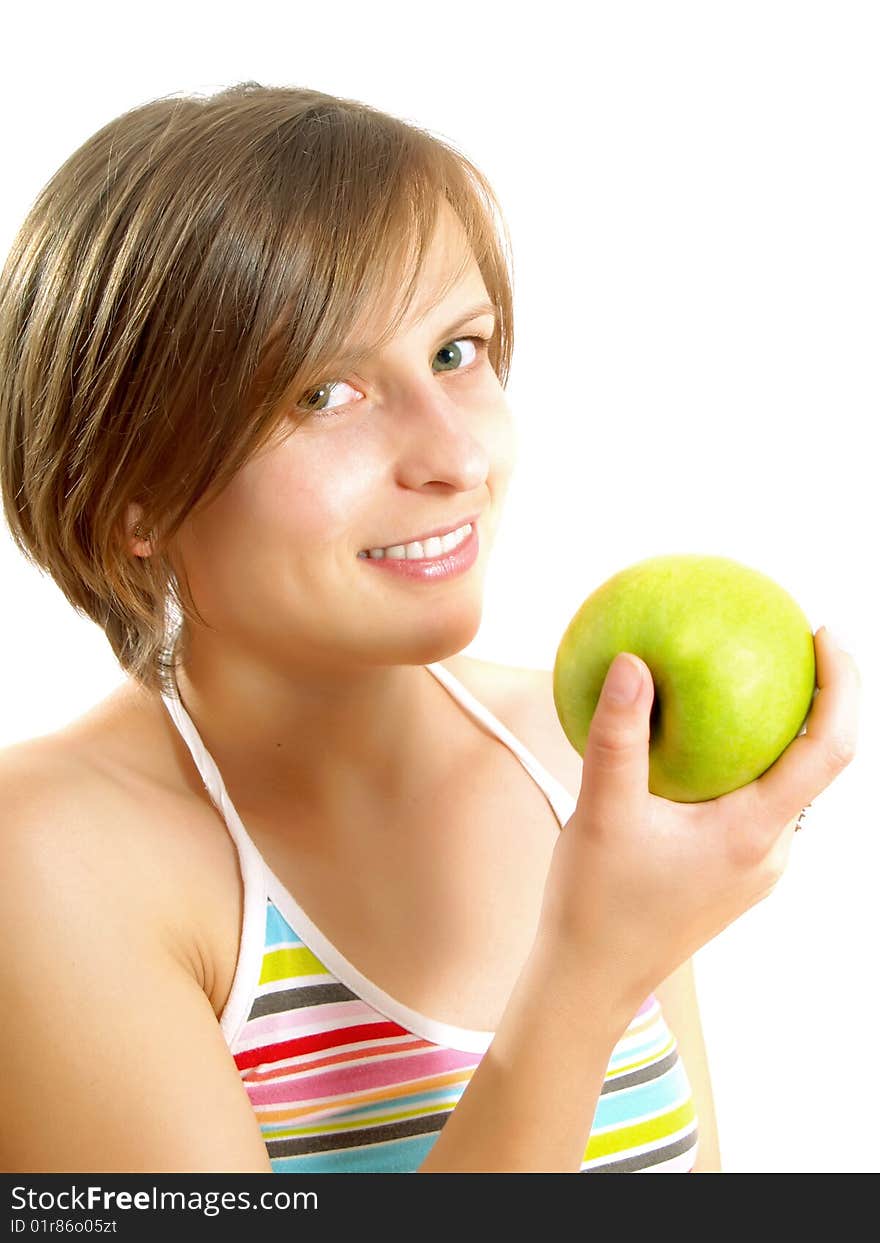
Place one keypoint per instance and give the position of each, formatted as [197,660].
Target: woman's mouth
[437,556]
[418,550]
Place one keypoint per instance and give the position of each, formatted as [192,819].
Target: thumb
[615,774]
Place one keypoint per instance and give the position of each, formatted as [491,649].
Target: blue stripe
[277,927]
[654,1043]
[439,1096]
[643,1098]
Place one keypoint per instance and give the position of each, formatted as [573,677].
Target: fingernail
[624,680]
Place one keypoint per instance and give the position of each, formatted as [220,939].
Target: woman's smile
[414,561]
[431,544]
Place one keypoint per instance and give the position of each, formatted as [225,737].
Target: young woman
[311,891]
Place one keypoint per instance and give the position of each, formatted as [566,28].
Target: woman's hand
[637,883]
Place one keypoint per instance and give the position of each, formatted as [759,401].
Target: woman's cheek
[504,449]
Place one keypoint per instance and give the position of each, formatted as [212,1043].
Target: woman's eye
[450,356]
[312,399]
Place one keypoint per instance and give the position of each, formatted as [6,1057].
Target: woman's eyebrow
[359,353]
[482,308]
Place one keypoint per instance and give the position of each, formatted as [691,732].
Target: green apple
[732,659]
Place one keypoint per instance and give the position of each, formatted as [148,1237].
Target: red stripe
[267,1074]
[319,1040]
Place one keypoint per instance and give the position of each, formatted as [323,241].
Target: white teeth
[436,546]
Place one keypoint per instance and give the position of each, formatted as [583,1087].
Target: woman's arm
[529,1105]
[113,1059]
[532,716]
[677,996]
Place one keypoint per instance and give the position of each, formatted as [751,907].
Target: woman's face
[420,438]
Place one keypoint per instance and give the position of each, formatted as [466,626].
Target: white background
[694,198]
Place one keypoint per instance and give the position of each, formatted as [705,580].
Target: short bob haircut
[194,265]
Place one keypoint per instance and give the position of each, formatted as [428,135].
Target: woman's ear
[138,541]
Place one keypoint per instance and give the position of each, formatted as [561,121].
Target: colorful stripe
[338,1087]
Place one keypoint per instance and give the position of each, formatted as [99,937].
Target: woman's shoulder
[522,699]
[120,751]
[53,789]
[80,810]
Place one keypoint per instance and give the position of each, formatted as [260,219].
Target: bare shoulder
[69,836]
[49,797]
[98,991]
[77,835]
[522,699]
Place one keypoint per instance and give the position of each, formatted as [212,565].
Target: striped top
[343,1078]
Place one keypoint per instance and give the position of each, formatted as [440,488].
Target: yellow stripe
[290,962]
[357,1124]
[640,1132]
[607,1144]
[626,1067]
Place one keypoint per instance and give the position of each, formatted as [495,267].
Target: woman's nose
[439,439]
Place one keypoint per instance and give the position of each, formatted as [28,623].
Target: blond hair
[188,267]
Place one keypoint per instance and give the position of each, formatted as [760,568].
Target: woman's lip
[420,539]
[432,569]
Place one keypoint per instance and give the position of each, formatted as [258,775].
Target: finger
[615,773]
[813,759]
